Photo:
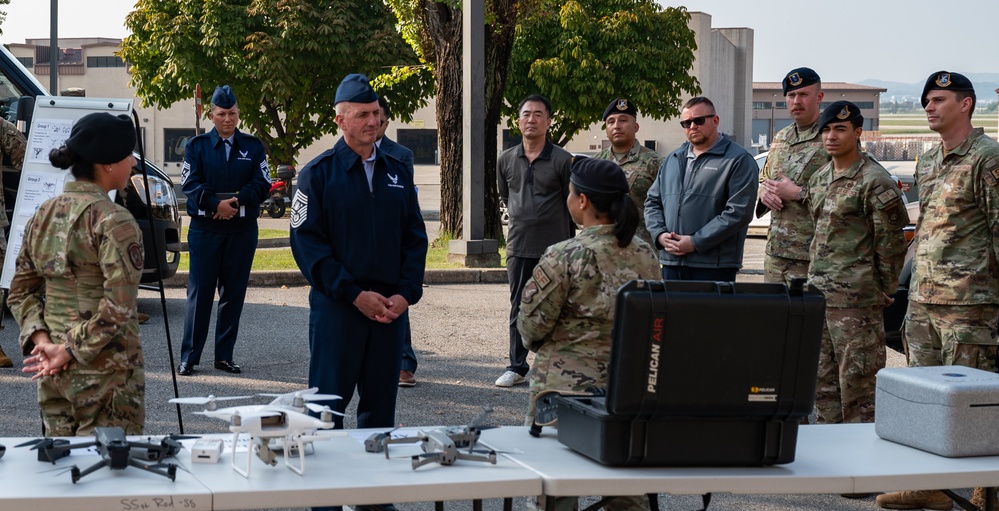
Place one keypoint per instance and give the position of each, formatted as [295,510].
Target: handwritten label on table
[129,504]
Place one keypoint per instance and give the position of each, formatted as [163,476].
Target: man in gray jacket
[699,208]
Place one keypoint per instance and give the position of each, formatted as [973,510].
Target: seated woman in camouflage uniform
[75,288]
[567,309]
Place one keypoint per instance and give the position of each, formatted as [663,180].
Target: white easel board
[51,123]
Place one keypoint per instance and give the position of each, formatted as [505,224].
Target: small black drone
[446,445]
[116,452]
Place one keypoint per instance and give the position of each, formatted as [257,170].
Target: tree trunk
[499,45]
[444,26]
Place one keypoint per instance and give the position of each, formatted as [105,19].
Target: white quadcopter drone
[285,417]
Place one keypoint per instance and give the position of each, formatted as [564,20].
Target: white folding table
[842,458]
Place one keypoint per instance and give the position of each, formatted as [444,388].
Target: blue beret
[223,97]
[944,80]
[841,111]
[355,89]
[102,138]
[620,106]
[598,176]
[798,78]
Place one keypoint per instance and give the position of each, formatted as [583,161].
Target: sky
[844,41]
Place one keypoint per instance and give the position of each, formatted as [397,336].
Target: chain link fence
[897,148]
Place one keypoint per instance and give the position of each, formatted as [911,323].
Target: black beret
[102,138]
[355,89]
[223,97]
[598,176]
[944,80]
[841,111]
[798,78]
[620,106]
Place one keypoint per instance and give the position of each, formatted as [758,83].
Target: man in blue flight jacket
[359,239]
[225,178]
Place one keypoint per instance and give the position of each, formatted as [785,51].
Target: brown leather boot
[978,499]
[5,361]
[921,499]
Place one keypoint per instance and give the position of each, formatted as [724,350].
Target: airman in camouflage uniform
[796,153]
[954,295]
[76,286]
[567,308]
[856,255]
[12,143]
[639,163]
[954,291]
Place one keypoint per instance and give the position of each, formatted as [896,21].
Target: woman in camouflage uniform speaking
[75,288]
[567,309]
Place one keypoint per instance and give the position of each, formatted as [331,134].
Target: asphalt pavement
[460,336]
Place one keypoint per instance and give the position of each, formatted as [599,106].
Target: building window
[111,61]
[174,143]
[28,62]
[762,105]
[782,105]
[422,142]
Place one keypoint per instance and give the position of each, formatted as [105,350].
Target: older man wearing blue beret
[225,178]
[359,239]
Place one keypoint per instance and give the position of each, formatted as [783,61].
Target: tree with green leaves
[283,58]
[434,30]
[3,15]
[581,54]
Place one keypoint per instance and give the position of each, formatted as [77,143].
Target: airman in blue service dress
[356,231]
[225,178]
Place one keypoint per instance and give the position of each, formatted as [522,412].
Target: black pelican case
[702,374]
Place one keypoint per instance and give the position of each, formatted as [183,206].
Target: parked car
[894,315]
[160,221]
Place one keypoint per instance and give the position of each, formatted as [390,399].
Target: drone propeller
[58,470]
[320,408]
[210,401]
[32,442]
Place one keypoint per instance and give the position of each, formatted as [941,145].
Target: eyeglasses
[696,120]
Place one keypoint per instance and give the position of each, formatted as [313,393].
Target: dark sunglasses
[696,120]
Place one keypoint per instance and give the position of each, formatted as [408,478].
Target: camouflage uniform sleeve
[889,218]
[989,198]
[120,257]
[544,295]
[27,296]
[13,143]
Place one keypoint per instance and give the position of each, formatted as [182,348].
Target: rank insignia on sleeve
[135,255]
[530,290]
[541,277]
[299,209]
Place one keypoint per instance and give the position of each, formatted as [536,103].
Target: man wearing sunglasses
[699,207]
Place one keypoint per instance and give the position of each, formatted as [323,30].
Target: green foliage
[3,14]
[581,54]
[283,58]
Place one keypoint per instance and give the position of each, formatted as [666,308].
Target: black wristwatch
[802,194]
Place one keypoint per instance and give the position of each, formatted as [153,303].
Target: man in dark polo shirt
[533,181]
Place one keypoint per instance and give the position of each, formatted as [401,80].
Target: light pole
[54,49]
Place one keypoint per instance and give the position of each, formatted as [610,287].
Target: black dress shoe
[227,366]
[185,369]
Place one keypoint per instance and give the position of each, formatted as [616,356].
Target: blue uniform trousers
[349,350]
[222,261]
[408,354]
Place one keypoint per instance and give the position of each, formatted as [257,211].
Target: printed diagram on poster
[48,134]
